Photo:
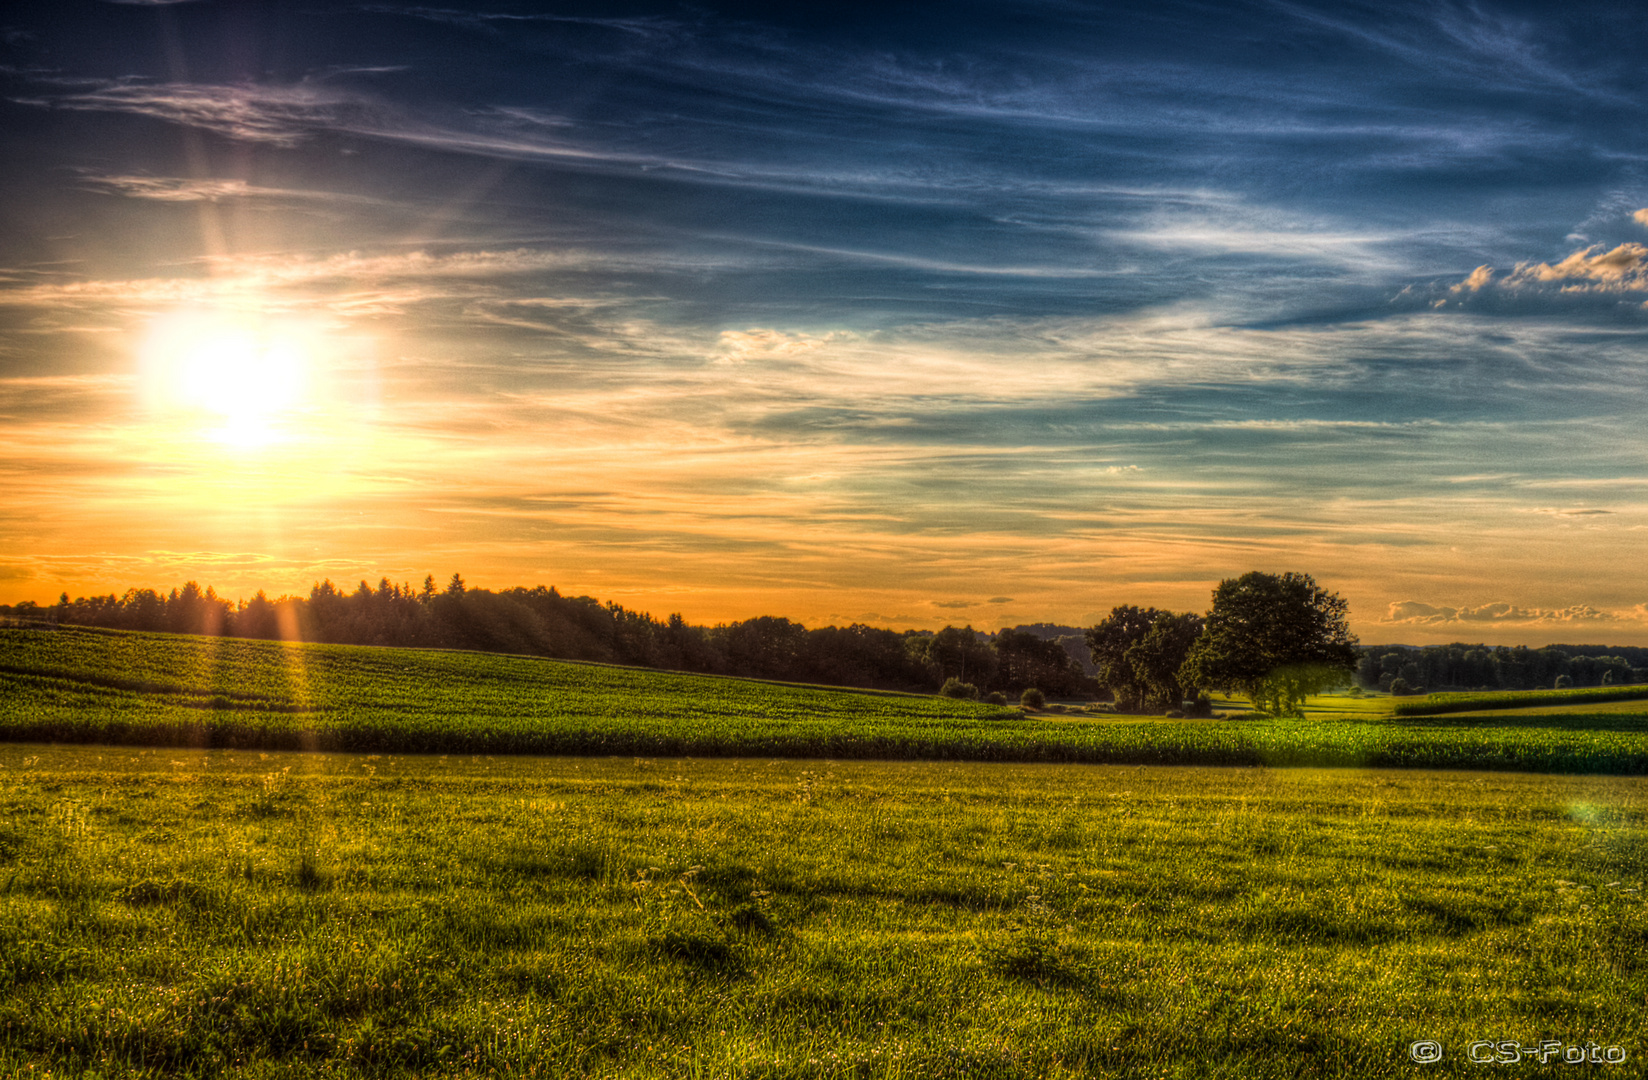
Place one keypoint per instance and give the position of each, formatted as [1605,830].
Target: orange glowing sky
[851,320]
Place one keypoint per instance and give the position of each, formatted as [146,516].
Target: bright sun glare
[237,378]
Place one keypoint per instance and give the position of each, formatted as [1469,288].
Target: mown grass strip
[1438,704]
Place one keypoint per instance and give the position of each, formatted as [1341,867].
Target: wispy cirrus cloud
[499,21]
[1580,512]
[289,114]
[184,189]
[1480,46]
[283,115]
[345,282]
[1297,242]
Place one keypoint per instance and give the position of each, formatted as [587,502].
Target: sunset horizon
[843,315]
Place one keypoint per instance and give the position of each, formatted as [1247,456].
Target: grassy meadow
[111,687]
[278,860]
[171,912]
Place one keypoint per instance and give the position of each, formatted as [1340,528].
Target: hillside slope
[163,690]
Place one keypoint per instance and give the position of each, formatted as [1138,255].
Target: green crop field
[1436,704]
[156,689]
[81,685]
[168,912]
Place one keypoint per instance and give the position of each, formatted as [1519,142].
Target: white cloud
[1234,226]
[1416,613]
[743,346]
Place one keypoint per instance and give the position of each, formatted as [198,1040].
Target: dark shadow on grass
[187,893]
[751,920]
[569,861]
[1456,916]
[700,951]
[1328,928]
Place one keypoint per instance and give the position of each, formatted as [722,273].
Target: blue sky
[908,313]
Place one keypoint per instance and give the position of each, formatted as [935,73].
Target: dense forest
[1059,660]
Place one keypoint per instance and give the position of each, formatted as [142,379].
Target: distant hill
[1051,631]
[1073,638]
[124,687]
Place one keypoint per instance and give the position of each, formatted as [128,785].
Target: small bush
[995,697]
[1563,682]
[955,688]
[1399,687]
[1033,699]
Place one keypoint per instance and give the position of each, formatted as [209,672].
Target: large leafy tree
[1109,642]
[1138,652]
[1272,638]
[1158,657]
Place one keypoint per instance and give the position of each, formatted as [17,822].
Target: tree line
[543,622]
[1261,628]
[1405,669]
[1273,638]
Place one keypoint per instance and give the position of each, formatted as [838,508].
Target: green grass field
[156,689]
[167,909]
[170,912]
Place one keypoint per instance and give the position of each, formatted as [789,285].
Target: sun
[239,380]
